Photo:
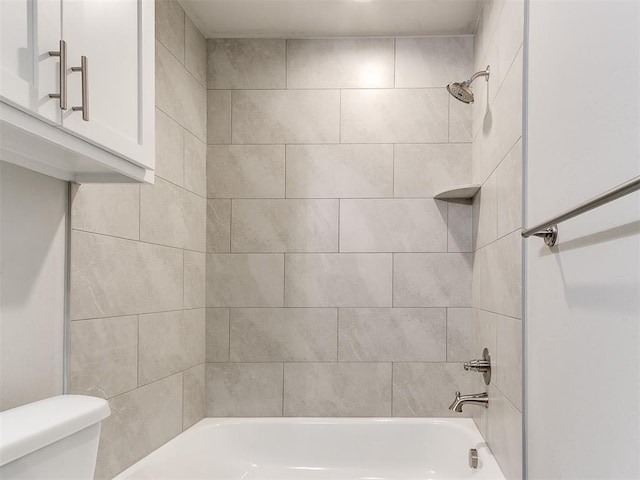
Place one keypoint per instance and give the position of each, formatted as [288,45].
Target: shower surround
[336,284]
[138,269]
[497,268]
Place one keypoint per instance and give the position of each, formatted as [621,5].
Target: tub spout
[481,399]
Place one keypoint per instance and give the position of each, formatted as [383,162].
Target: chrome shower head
[462,91]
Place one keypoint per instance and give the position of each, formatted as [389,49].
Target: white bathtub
[320,448]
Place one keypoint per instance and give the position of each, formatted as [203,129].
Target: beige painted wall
[336,284]
[497,216]
[137,269]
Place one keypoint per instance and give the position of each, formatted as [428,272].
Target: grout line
[283,389]
[107,317]
[138,241]
[183,126]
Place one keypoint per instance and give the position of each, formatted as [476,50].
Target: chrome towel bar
[549,230]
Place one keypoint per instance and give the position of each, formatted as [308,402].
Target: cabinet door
[29,29]
[117,39]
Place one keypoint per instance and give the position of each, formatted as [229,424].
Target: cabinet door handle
[62,53]
[84,70]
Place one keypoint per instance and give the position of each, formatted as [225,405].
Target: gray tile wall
[497,217]
[336,284]
[138,269]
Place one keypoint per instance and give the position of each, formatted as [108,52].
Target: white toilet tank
[55,438]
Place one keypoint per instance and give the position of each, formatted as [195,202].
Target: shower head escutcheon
[462,91]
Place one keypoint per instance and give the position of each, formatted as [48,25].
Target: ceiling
[332,18]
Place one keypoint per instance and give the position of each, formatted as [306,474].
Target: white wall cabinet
[105,131]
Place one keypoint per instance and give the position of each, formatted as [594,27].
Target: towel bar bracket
[549,235]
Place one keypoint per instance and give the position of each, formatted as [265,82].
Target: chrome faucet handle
[481,365]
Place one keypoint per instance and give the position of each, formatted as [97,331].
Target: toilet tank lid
[30,427]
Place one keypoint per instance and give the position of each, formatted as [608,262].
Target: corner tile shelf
[459,192]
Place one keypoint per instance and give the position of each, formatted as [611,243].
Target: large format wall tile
[194,279]
[423,170]
[485,213]
[339,171]
[286,116]
[245,171]
[505,434]
[340,63]
[244,389]
[103,356]
[138,265]
[497,276]
[283,335]
[393,225]
[510,191]
[195,51]
[395,116]
[432,279]
[170,342]
[173,216]
[170,27]
[509,359]
[140,421]
[459,227]
[392,335]
[460,122]
[248,63]
[337,389]
[111,277]
[434,61]
[427,389]
[179,94]
[218,226]
[241,280]
[218,117]
[108,209]
[460,335]
[193,403]
[505,128]
[284,226]
[338,280]
[195,165]
[217,337]
[169,148]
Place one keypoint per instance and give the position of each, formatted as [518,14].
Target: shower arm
[484,73]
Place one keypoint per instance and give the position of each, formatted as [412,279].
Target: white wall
[32,265]
[582,320]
